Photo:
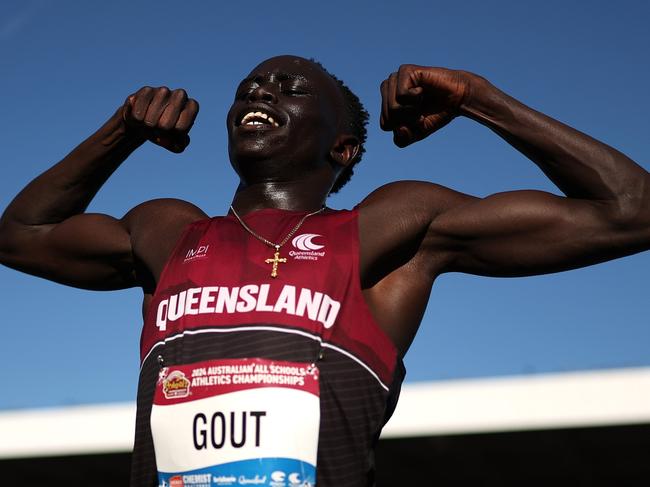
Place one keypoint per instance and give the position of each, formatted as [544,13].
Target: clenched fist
[418,100]
[161,115]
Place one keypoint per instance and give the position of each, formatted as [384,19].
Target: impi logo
[197,253]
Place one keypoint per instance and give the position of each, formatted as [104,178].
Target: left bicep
[523,233]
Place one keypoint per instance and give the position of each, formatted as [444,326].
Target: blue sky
[66,66]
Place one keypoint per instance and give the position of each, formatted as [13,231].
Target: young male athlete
[273,336]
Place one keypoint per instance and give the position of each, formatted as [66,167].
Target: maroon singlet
[216,300]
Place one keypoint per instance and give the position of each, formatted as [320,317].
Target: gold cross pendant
[275,261]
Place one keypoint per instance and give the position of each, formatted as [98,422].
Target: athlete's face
[284,119]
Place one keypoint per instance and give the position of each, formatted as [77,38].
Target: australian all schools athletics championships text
[252,297]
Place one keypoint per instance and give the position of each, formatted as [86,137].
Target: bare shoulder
[394,222]
[154,227]
[165,208]
[162,218]
[397,256]
[402,211]
[420,198]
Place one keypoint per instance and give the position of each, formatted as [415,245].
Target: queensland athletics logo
[306,242]
[307,247]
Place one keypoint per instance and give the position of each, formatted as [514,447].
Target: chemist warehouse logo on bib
[306,247]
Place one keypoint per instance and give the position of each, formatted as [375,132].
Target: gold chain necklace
[276,256]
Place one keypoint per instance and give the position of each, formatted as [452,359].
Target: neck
[306,195]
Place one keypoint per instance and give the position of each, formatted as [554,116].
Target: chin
[252,150]
[256,143]
[253,164]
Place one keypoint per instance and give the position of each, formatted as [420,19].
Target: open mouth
[258,119]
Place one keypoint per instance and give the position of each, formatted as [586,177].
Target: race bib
[235,422]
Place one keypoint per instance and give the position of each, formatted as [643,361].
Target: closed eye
[245,90]
[293,89]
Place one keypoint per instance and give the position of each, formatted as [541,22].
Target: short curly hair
[357,119]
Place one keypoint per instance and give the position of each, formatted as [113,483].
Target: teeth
[249,119]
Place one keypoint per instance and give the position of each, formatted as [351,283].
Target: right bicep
[90,251]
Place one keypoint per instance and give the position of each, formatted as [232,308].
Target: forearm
[579,165]
[67,188]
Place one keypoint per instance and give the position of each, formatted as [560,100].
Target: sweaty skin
[432,230]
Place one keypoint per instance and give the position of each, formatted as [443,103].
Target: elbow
[8,244]
[632,206]
[5,237]
[14,238]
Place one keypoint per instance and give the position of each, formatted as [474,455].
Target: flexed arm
[44,230]
[605,214]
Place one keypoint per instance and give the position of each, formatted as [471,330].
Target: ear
[345,149]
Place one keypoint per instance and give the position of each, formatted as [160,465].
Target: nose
[262,93]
